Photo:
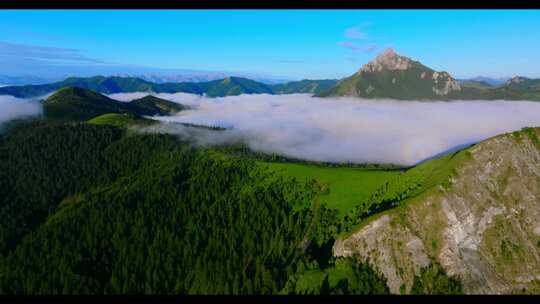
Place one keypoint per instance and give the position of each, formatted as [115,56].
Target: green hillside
[112,213]
[342,188]
[475,84]
[76,104]
[121,120]
[304,86]
[80,104]
[151,105]
[234,86]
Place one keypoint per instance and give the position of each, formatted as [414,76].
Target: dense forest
[91,209]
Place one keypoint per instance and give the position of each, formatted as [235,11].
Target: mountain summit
[391,75]
[389,60]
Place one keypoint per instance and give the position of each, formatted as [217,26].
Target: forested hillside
[92,209]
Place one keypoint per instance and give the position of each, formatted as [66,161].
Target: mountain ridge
[228,86]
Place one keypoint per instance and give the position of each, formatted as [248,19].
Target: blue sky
[283,43]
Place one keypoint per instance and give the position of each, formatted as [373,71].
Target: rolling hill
[73,103]
[234,86]
[151,106]
[304,86]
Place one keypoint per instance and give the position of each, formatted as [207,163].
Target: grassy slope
[120,120]
[73,103]
[428,175]
[151,105]
[342,187]
[80,104]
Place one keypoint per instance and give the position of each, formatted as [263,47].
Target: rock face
[482,225]
[387,60]
[516,79]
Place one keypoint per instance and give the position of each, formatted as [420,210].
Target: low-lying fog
[13,108]
[345,129]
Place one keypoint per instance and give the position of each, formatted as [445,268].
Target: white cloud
[13,108]
[349,129]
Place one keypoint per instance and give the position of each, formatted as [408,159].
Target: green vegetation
[216,88]
[396,84]
[85,209]
[101,84]
[304,86]
[243,151]
[234,86]
[434,281]
[121,120]
[80,104]
[76,104]
[342,188]
[476,84]
[343,276]
[404,187]
[151,105]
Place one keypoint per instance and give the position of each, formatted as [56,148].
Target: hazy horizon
[304,44]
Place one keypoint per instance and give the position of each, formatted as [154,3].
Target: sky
[295,44]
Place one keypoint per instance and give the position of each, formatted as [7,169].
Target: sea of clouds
[344,129]
[14,108]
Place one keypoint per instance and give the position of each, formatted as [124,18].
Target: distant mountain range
[389,75]
[489,80]
[22,80]
[393,76]
[215,88]
[199,77]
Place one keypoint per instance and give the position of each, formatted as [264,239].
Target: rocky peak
[389,60]
[516,79]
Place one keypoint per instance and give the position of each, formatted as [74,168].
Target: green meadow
[342,187]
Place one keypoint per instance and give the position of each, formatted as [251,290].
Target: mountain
[390,75]
[22,80]
[474,212]
[151,105]
[477,84]
[200,77]
[524,84]
[304,86]
[101,84]
[234,86]
[489,80]
[393,76]
[216,88]
[73,103]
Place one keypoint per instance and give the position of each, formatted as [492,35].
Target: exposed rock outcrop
[389,60]
[481,224]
